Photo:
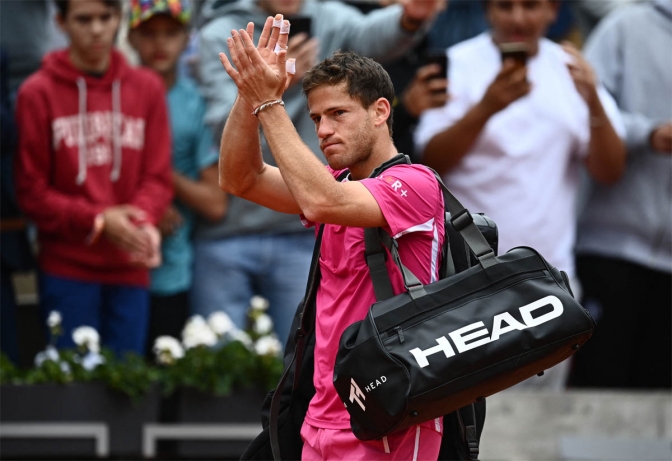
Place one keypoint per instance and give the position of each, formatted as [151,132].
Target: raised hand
[260,73]
[509,85]
[423,9]
[270,40]
[661,138]
[417,12]
[427,90]
[582,73]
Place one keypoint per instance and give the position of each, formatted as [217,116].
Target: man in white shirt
[513,135]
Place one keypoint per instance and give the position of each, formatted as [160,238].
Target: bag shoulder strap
[460,218]
[306,325]
[467,416]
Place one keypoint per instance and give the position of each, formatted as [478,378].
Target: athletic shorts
[419,443]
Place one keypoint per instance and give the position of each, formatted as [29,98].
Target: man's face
[344,128]
[520,20]
[159,42]
[284,7]
[91,27]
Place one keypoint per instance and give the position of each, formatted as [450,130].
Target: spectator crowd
[112,113]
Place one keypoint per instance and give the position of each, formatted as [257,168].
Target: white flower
[50,353]
[220,323]
[241,336]
[195,320]
[92,360]
[197,333]
[268,345]
[263,324]
[88,337]
[54,319]
[65,368]
[167,350]
[258,303]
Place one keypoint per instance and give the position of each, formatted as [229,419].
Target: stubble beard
[359,150]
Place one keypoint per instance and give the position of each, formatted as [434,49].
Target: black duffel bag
[439,347]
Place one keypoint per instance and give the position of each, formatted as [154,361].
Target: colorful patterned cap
[142,10]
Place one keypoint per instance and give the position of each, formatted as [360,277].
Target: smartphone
[517,51]
[299,24]
[437,57]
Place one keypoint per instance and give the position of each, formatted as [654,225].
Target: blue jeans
[119,313]
[228,272]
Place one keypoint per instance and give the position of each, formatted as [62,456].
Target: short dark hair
[63,5]
[365,79]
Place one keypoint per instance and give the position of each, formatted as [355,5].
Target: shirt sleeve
[407,197]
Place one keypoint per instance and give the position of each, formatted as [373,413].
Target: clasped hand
[260,72]
[126,226]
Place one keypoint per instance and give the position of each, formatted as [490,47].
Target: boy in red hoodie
[93,173]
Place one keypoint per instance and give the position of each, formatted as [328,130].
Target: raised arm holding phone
[518,129]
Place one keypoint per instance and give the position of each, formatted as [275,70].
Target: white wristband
[265,104]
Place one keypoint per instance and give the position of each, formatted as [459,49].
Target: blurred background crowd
[112,113]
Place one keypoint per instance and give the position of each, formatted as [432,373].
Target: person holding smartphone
[524,115]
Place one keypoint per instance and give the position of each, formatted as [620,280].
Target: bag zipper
[505,283]
[400,333]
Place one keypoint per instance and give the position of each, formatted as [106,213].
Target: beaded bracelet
[267,103]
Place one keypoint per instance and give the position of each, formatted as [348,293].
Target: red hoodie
[87,143]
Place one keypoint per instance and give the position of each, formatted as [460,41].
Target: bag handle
[463,222]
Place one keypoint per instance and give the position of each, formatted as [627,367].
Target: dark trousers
[167,317]
[9,343]
[632,344]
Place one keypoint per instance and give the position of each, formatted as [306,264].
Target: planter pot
[75,403]
[240,408]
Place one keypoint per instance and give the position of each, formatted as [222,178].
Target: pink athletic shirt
[412,203]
